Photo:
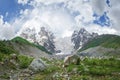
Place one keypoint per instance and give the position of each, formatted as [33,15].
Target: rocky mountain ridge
[79,38]
[53,44]
[41,37]
[102,45]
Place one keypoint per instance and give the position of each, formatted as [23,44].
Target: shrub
[51,69]
[78,61]
[6,47]
[1,56]
[24,61]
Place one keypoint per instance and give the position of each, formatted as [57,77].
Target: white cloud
[46,2]
[61,22]
[6,30]
[99,6]
[114,14]
[82,8]
[1,20]
[114,3]
[60,19]
[101,30]
[23,2]
[67,33]
[56,18]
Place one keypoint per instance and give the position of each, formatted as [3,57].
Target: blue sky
[62,16]
[102,20]
[10,9]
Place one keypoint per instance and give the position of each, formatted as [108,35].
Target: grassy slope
[107,41]
[7,47]
[89,69]
[20,40]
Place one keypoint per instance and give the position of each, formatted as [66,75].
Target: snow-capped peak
[81,37]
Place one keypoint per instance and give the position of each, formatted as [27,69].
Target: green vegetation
[107,41]
[4,76]
[2,56]
[53,67]
[6,47]
[93,68]
[88,69]
[22,41]
[46,60]
[24,61]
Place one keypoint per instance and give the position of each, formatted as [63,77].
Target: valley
[97,59]
[59,39]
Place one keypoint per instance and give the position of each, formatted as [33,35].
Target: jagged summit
[81,37]
[46,38]
[82,31]
[43,37]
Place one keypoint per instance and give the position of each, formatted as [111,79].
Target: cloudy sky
[60,16]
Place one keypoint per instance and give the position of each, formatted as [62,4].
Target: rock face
[37,65]
[47,39]
[81,37]
[42,37]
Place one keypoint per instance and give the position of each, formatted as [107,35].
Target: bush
[51,69]
[1,57]
[6,47]
[24,61]
[78,61]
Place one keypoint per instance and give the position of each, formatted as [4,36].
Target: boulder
[37,65]
[72,59]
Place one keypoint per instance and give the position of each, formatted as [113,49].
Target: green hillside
[106,41]
[22,41]
[6,49]
[7,46]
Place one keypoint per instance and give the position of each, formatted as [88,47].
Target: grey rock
[42,37]
[72,59]
[47,39]
[37,65]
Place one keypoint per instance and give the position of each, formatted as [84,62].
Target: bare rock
[73,59]
[37,65]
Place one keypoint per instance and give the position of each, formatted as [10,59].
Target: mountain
[22,41]
[40,36]
[46,38]
[79,38]
[19,45]
[108,45]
